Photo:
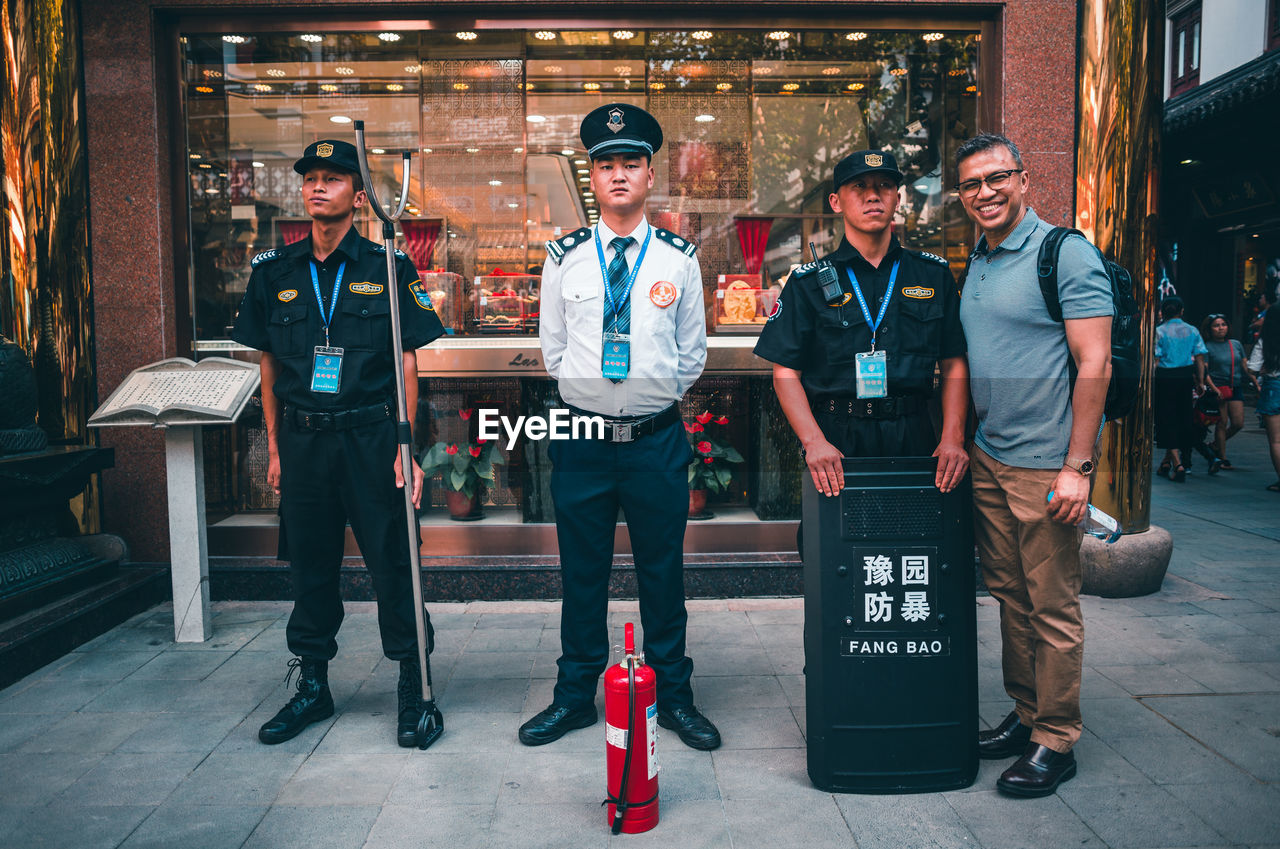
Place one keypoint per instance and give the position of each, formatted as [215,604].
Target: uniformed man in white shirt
[624,334]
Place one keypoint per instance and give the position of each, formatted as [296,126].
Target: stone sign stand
[181,397]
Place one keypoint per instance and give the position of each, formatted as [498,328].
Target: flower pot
[698,505]
[463,508]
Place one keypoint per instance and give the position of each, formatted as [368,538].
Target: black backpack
[1126,326]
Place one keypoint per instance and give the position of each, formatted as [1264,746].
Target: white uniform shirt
[668,344]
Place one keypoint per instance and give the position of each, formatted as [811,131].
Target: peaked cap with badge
[864,162]
[620,128]
[329,153]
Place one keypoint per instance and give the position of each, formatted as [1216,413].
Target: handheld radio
[827,278]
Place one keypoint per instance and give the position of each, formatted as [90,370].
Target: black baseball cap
[865,162]
[329,153]
[620,128]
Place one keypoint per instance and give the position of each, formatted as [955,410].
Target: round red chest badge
[663,294]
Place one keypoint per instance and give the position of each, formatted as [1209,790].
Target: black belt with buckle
[894,407]
[631,428]
[337,419]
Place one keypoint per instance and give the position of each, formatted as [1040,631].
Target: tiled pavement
[134,741]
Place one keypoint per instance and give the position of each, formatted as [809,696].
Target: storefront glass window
[754,122]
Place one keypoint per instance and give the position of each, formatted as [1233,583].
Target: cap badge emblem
[615,120]
[325,149]
[875,160]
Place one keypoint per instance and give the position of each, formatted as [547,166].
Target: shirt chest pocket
[365,324]
[287,329]
[839,331]
[584,306]
[920,325]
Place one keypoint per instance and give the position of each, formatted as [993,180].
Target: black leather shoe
[311,703]
[1038,772]
[554,722]
[1007,739]
[693,729]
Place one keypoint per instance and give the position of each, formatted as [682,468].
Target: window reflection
[754,120]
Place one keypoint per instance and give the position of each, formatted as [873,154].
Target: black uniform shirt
[921,326]
[279,314]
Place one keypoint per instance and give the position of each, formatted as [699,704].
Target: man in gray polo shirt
[1036,435]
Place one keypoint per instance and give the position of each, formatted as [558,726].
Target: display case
[743,303]
[506,304]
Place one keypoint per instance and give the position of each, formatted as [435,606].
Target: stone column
[1118,114]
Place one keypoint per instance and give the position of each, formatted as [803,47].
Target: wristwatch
[1084,467]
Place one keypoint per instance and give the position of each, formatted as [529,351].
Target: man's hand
[1070,497]
[824,464]
[953,462]
[418,478]
[273,470]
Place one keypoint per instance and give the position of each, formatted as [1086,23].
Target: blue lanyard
[333,302]
[631,280]
[884,305]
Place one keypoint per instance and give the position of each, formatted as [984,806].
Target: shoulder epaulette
[382,249]
[934,257]
[265,256]
[806,269]
[557,249]
[680,243]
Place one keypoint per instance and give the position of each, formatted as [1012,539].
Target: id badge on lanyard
[326,367]
[871,374]
[616,361]
[871,368]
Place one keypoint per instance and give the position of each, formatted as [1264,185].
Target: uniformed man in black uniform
[320,313]
[821,340]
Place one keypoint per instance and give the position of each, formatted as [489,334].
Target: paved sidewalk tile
[196,827]
[1137,817]
[802,824]
[1001,822]
[905,822]
[79,826]
[342,780]
[313,827]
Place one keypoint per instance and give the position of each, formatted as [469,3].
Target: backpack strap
[1047,268]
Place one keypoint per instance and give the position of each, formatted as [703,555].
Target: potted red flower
[713,461]
[464,469]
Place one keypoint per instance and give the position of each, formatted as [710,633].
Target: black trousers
[1173,408]
[649,480]
[327,480]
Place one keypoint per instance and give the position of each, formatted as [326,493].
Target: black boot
[409,699]
[311,703]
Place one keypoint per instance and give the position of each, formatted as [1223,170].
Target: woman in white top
[1265,360]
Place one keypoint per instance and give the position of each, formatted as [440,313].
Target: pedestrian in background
[1265,360]
[1224,364]
[1179,372]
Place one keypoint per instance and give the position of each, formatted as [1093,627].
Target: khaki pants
[1032,567]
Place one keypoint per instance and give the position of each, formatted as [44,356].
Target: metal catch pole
[431,724]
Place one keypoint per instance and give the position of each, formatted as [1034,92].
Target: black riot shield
[890,637]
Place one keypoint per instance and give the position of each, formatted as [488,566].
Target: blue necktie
[618,283]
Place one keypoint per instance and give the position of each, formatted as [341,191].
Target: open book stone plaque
[181,397]
[179,391]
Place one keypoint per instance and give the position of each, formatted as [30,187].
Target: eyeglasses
[1215,315]
[997,180]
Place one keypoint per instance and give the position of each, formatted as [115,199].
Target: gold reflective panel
[1117,180]
[44,257]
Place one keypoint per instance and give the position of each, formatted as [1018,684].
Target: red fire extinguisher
[631,732]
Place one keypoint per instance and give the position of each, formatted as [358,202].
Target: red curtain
[420,242]
[753,235]
[294,231]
